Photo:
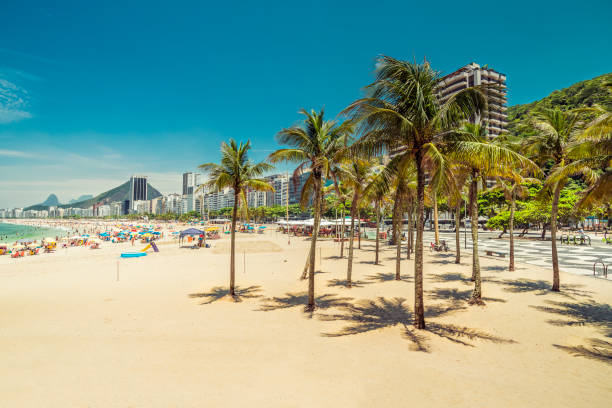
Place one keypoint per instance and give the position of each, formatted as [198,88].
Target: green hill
[582,94]
[119,193]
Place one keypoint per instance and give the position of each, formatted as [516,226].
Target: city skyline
[98,93]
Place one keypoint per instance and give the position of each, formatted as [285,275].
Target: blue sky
[90,94]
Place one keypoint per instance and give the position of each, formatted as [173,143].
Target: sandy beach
[83,328]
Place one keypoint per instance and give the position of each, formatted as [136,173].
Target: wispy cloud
[16,153]
[13,102]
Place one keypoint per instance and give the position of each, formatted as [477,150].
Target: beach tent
[25,241]
[191,231]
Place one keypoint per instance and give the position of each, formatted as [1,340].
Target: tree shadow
[325,301]
[494,268]
[447,258]
[597,349]
[456,295]
[387,277]
[588,313]
[219,292]
[371,263]
[343,283]
[451,277]
[538,287]
[370,315]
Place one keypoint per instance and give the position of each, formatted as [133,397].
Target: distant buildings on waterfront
[196,197]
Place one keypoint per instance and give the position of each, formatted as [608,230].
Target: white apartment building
[172,203]
[474,75]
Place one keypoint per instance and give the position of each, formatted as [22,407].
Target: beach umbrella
[262,227]
[25,241]
[212,229]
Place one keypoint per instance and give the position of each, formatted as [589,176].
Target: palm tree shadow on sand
[451,277]
[597,349]
[344,283]
[538,287]
[456,295]
[371,315]
[219,292]
[588,313]
[290,300]
[387,277]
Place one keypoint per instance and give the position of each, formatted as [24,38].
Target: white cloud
[15,153]
[13,102]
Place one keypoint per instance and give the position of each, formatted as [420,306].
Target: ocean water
[10,233]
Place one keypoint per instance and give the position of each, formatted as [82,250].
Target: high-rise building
[190,182]
[138,190]
[474,75]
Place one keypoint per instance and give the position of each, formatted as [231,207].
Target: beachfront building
[280,183]
[187,203]
[296,184]
[216,200]
[138,190]
[190,182]
[104,210]
[172,203]
[474,75]
[157,206]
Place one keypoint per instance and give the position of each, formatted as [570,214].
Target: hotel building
[474,75]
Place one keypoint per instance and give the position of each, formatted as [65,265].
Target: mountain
[81,198]
[50,201]
[580,95]
[119,193]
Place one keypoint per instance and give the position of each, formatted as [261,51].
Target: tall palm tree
[406,115]
[557,132]
[315,146]
[239,173]
[355,174]
[487,159]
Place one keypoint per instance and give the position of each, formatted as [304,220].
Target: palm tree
[514,187]
[239,173]
[315,146]
[356,174]
[405,114]
[486,159]
[592,150]
[557,133]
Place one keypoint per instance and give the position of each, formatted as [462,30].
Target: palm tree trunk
[313,241]
[396,233]
[511,228]
[342,236]
[411,231]
[359,228]
[419,309]
[232,291]
[349,270]
[409,240]
[553,237]
[476,298]
[377,209]
[436,227]
[457,239]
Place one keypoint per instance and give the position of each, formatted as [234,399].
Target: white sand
[71,335]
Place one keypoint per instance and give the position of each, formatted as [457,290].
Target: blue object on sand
[133,254]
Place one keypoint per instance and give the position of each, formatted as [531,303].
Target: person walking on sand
[133,239]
